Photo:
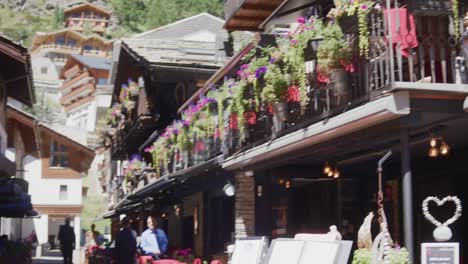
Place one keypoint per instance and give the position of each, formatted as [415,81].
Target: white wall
[85,112]
[47,191]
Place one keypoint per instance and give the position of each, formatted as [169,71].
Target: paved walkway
[52,257]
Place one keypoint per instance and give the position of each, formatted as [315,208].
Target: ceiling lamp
[327,168]
[288,184]
[433,142]
[444,148]
[336,174]
[433,152]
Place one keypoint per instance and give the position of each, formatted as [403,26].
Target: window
[58,155]
[63,192]
[44,70]
[102,80]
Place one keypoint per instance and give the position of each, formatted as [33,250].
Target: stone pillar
[244,206]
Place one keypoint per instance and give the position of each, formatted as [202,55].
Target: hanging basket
[280,110]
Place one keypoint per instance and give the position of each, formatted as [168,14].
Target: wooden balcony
[64,49]
[81,79]
[82,91]
[78,103]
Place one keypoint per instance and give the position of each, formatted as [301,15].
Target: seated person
[153,240]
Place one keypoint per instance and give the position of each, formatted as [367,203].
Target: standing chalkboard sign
[249,250]
[440,253]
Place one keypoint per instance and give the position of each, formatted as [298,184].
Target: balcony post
[407,183]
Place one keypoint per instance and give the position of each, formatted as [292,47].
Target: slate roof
[180,52]
[185,27]
[93,62]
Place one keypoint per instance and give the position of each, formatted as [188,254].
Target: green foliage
[396,256]
[276,85]
[21,26]
[334,51]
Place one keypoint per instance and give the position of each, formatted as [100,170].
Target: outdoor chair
[166,261]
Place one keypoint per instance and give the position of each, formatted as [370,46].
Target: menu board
[248,250]
[440,253]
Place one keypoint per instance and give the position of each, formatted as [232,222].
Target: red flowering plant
[296,47]
[334,53]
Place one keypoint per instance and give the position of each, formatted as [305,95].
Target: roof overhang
[376,112]
[16,71]
[249,15]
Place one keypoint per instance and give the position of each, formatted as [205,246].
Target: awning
[376,112]
[151,188]
[178,176]
[7,167]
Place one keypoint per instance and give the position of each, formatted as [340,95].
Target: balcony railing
[81,79]
[79,103]
[58,48]
[81,91]
[99,53]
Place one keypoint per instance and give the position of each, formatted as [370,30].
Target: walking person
[66,236]
[125,244]
[153,240]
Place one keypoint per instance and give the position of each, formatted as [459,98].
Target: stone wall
[244,205]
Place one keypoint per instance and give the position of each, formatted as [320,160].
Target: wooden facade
[81,81]
[87,15]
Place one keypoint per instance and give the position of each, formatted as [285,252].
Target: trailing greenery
[334,51]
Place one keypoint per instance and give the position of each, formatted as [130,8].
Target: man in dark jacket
[66,236]
[125,244]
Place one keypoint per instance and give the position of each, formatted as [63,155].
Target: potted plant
[350,13]
[274,92]
[334,59]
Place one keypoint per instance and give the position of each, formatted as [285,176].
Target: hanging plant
[362,9]
[456,18]
[333,53]
[295,56]
[238,105]
[276,85]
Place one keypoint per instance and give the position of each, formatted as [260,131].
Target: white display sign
[293,251]
[440,253]
[248,250]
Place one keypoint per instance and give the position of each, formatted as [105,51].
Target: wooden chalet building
[15,83]
[87,15]
[85,93]
[302,150]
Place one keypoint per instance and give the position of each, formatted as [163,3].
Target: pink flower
[294,41]
[301,20]
[364,7]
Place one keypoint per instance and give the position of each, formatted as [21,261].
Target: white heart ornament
[430,218]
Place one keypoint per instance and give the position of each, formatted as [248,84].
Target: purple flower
[135,157]
[272,60]
[301,20]
[260,71]
[244,66]
[364,7]
[130,80]
[293,41]
[124,86]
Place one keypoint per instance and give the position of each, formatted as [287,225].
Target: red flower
[233,121]
[199,146]
[270,109]
[251,118]
[322,78]
[293,94]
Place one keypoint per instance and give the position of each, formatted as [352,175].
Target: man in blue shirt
[153,240]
